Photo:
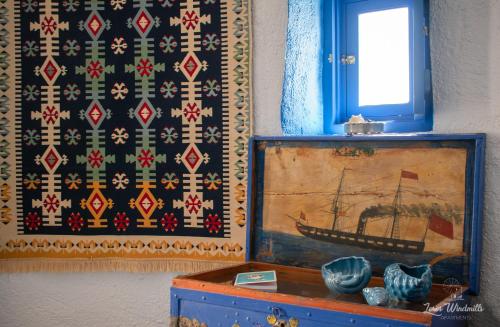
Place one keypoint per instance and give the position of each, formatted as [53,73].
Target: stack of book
[258,280]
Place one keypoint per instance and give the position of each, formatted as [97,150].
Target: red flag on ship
[409,174]
[441,226]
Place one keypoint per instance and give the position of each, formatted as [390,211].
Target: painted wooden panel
[409,199]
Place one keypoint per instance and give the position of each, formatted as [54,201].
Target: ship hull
[365,241]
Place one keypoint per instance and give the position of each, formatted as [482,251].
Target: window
[377,63]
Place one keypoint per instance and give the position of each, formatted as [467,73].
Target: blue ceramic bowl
[347,275]
[408,283]
[376,296]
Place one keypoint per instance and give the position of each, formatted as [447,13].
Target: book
[258,280]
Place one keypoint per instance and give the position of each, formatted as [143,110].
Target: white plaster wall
[84,299]
[269,37]
[466,71]
[466,63]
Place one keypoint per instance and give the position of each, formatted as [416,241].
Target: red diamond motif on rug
[146,203]
[96,203]
[145,113]
[192,158]
[191,66]
[50,70]
[95,24]
[143,22]
[51,158]
[95,114]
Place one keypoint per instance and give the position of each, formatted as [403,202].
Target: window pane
[384,57]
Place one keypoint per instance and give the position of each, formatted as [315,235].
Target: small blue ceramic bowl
[347,275]
[408,283]
[376,296]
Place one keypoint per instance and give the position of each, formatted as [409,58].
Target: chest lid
[407,199]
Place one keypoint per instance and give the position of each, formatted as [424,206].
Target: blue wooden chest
[376,197]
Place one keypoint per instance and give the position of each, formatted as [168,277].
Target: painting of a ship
[388,202]
[391,242]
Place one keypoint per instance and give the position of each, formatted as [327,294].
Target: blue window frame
[341,78]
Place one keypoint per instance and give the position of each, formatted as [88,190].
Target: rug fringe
[109,265]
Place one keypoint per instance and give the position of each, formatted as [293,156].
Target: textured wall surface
[84,299]
[269,37]
[465,41]
[301,105]
[466,62]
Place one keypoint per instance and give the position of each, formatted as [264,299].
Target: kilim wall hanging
[123,134]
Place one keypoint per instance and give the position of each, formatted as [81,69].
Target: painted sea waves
[306,252]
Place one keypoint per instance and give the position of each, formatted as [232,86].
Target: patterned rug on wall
[123,133]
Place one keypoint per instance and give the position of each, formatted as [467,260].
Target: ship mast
[337,201]
[396,206]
